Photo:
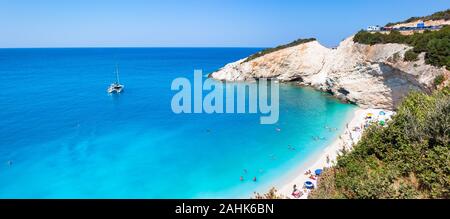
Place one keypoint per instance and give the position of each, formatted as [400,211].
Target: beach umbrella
[309,185]
[318,172]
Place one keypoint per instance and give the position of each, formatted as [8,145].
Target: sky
[195,23]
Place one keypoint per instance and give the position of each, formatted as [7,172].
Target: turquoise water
[67,138]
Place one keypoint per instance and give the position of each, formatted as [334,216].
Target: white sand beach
[351,136]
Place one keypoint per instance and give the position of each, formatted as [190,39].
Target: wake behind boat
[116,87]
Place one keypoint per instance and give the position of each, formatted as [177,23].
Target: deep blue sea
[63,136]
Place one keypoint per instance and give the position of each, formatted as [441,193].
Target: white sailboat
[116,87]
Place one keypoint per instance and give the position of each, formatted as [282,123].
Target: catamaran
[116,87]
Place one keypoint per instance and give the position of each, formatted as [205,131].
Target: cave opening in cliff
[298,79]
[343,91]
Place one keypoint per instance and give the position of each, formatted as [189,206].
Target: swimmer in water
[241,178]
[9,163]
[245,171]
[254,179]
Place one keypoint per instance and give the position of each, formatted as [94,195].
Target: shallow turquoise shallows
[63,136]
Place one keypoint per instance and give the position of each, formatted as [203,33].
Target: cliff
[370,76]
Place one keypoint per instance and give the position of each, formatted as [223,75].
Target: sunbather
[297,193]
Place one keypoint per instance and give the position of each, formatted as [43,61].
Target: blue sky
[192,23]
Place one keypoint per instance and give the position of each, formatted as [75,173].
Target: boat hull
[115,89]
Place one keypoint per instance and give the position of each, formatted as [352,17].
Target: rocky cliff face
[370,76]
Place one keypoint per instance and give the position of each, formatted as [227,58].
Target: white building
[373,28]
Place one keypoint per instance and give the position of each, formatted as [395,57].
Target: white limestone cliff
[370,76]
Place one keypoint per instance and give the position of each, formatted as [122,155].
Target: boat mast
[117,74]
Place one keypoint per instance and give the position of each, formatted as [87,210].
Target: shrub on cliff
[439,80]
[438,52]
[408,159]
[270,50]
[435,44]
[410,56]
[365,37]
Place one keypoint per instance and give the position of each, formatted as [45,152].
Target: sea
[63,136]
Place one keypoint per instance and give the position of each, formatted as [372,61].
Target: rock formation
[370,76]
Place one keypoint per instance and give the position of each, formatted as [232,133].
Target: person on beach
[296,193]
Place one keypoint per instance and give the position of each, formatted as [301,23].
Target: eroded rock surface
[370,76]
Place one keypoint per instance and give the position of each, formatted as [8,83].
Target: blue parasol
[309,185]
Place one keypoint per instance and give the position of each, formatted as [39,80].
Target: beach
[351,135]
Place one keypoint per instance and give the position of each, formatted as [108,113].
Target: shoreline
[328,156]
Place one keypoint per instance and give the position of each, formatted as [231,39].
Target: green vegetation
[270,50]
[272,194]
[410,158]
[439,80]
[441,15]
[411,56]
[395,57]
[435,44]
